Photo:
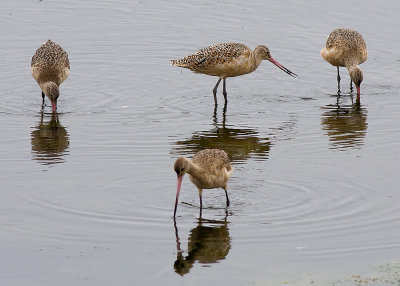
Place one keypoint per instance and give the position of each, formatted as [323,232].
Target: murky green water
[87,194]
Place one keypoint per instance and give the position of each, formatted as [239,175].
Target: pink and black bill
[282,68]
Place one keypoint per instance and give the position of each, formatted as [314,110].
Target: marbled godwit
[346,48]
[208,169]
[50,67]
[227,60]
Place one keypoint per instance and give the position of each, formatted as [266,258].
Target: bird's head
[262,52]
[52,92]
[181,166]
[357,77]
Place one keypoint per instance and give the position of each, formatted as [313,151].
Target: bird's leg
[42,97]
[227,198]
[215,91]
[201,201]
[224,115]
[338,80]
[351,85]
[224,90]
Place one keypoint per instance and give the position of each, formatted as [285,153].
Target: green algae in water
[384,275]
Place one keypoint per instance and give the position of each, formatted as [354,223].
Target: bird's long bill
[54,106]
[282,67]
[178,189]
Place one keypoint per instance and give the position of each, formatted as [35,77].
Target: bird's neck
[351,65]
[194,170]
[256,60]
[356,74]
[47,86]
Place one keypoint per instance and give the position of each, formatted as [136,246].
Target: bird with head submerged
[208,169]
[346,48]
[50,67]
[227,60]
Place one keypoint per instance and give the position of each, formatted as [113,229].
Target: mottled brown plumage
[221,60]
[346,48]
[50,67]
[227,60]
[208,169]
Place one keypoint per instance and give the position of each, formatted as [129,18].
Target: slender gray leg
[215,91]
[42,97]
[201,203]
[351,85]
[224,114]
[338,80]
[215,115]
[227,198]
[224,90]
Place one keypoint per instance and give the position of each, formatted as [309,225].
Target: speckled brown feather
[222,60]
[50,63]
[212,159]
[345,47]
[208,169]
[211,55]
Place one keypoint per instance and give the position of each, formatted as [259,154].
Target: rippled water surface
[87,194]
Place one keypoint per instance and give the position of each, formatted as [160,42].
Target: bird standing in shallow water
[346,48]
[50,67]
[227,60]
[208,169]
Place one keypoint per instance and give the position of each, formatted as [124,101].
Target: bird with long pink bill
[50,67]
[208,169]
[346,48]
[227,60]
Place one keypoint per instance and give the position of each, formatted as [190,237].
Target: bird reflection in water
[346,125]
[50,140]
[208,242]
[239,143]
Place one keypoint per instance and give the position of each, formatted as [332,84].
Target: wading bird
[50,67]
[346,48]
[208,169]
[227,60]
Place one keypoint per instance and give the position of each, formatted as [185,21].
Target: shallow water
[87,194]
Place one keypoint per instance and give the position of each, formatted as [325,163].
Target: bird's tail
[192,62]
[180,63]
